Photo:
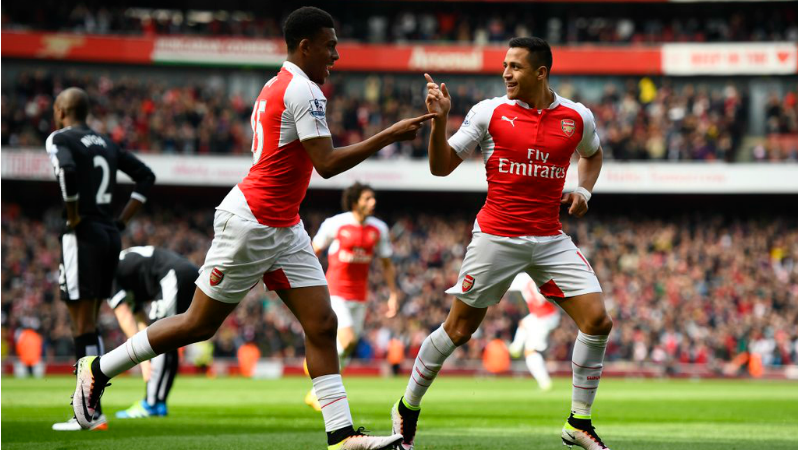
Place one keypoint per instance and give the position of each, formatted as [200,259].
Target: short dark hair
[539,51]
[304,23]
[352,194]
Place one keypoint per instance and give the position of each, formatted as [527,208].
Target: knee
[198,330]
[600,325]
[458,335]
[324,328]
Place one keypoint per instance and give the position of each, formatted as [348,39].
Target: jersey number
[257,129]
[103,197]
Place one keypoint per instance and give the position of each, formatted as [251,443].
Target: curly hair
[352,194]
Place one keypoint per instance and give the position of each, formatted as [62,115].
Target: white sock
[135,351]
[537,366]
[332,398]
[434,351]
[587,363]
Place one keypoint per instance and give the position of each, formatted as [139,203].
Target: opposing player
[527,139]
[85,164]
[163,280]
[531,336]
[353,239]
[258,235]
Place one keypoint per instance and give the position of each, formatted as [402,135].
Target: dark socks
[337,436]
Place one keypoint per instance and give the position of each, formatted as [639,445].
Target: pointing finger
[423,118]
[429,78]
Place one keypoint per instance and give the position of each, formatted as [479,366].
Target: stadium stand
[692,289]
[638,118]
[395,21]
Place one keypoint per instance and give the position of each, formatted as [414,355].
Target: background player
[258,235]
[164,280]
[353,239]
[527,139]
[531,336]
[85,164]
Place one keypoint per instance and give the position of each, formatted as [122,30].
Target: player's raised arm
[330,161]
[442,158]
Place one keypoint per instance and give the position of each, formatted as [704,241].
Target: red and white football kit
[527,153]
[543,315]
[352,247]
[258,234]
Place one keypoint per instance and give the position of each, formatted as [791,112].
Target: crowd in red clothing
[692,289]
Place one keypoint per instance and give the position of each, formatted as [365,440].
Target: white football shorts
[350,313]
[555,264]
[537,330]
[244,252]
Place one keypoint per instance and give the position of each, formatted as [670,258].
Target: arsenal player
[259,237]
[527,138]
[354,238]
[531,336]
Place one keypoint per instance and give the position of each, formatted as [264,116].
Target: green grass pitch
[458,413]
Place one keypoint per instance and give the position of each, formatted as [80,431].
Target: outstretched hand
[407,129]
[438,100]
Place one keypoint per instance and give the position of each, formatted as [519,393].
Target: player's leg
[199,323]
[311,306]
[563,274]
[90,255]
[516,347]
[299,280]
[536,342]
[346,341]
[346,335]
[488,269]
[146,407]
[594,325]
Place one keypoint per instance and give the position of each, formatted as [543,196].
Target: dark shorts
[89,256]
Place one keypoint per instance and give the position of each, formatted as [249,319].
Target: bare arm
[131,208]
[317,250]
[389,273]
[589,169]
[144,178]
[127,320]
[330,161]
[131,324]
[73,217]
[442,158]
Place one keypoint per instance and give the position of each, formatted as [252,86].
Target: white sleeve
[325,235]
[590,139]
[384,248]
[472,131]
[308,107]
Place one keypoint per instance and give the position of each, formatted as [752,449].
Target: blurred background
[693,228]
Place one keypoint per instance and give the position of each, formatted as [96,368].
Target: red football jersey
[527,153]
[289,110]
[538,305]
[352,246]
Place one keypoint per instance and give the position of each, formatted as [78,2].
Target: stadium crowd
[639,120]
[694,289]
[440,22]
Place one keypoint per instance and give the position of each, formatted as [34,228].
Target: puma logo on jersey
[512,121]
